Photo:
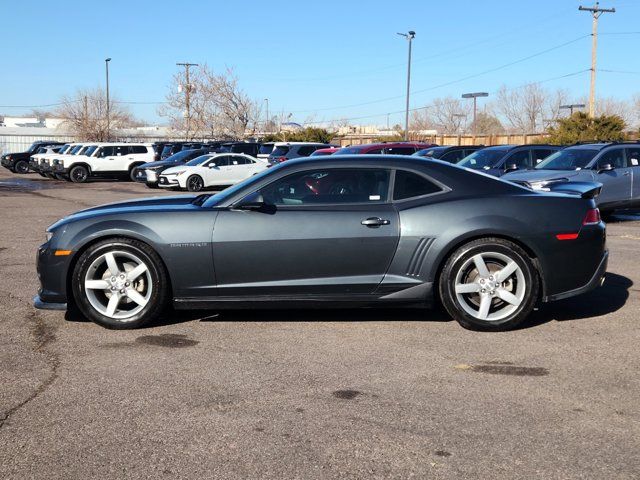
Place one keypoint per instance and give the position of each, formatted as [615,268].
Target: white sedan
[211,170]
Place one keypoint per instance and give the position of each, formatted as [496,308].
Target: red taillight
[567,236]
[281,159]
[592,217]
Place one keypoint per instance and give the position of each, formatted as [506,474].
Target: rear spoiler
[583,189]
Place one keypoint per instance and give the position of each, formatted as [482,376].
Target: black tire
[524,283]
[159,283]
[132,172]
[42,174]
[58,176]
[21,167]
[195,183]
[79,174]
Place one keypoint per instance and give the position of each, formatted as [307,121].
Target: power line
[468,77]
[446,103]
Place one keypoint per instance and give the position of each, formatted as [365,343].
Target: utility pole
[410,35]
[266,123]
[475,96]
[187,93]
[596,11]
[106,64]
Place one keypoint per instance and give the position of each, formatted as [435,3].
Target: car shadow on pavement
[608,298]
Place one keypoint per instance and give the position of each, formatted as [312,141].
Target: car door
[616,182]
[237,169]
[105,159]
[326,231]
[217,170]
[633,161]
[121,160]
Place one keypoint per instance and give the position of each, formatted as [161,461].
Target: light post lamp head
[107,59]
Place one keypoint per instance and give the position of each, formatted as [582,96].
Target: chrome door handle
[374,222]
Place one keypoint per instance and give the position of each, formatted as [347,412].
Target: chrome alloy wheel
[118,284]
[490,286]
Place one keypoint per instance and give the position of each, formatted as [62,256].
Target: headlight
[8,157]
[544,184]
[49,235]
[181,173]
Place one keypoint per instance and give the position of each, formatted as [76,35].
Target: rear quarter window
[411,185]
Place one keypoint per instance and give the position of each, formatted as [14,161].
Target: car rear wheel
[133,172]
[21,167]
[79,174]
[489,284]
[120,284]
[195,183]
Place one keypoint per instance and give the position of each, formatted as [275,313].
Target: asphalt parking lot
[311,394]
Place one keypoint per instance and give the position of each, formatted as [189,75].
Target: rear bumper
[596,281]
[40,304]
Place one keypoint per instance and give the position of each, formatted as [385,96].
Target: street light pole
[106,64]
[266,123]
[410,35]
[475,96]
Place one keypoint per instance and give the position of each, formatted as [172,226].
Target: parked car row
[196,166]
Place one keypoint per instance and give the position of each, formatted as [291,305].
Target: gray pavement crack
[43,335]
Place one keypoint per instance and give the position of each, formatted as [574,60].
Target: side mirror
[253,202]
[511,167]
[607,167]
[213,165]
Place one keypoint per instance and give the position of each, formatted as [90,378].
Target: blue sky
[317,60]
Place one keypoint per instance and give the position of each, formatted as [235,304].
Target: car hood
[145,205]
[160,163]
[540,175]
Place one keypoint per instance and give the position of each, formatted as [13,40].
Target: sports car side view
[360,230]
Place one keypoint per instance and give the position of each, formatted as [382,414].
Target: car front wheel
[195,183]
[21,167]
[489,284]
[79,174]
[120,283]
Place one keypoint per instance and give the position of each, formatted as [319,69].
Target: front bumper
[596,280]
[168,182]
[7,163]
[52,272]
[40,304]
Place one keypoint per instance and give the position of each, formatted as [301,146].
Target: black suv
[451,154]
[502,159]
[250,148]
[19,162]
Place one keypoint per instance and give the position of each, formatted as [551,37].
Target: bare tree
[85,114]
[218,107]
[522,108]
[448,115]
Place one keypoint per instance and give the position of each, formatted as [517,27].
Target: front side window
[519,159]
[410,184]
[614,157]
[123,150]
[329,186]
[138,149]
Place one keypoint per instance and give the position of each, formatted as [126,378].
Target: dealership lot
[311,394]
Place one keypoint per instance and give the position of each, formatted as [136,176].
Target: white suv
[105,160]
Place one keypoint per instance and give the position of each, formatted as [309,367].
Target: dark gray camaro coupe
[353,230]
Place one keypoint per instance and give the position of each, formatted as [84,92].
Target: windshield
[569,159]
[280,151]
[75,150]
[82,150]
[265,149]
[90,150]
[166,150]
[198,160]
[180,156]
[428,152]
[483,159]
[34,146]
